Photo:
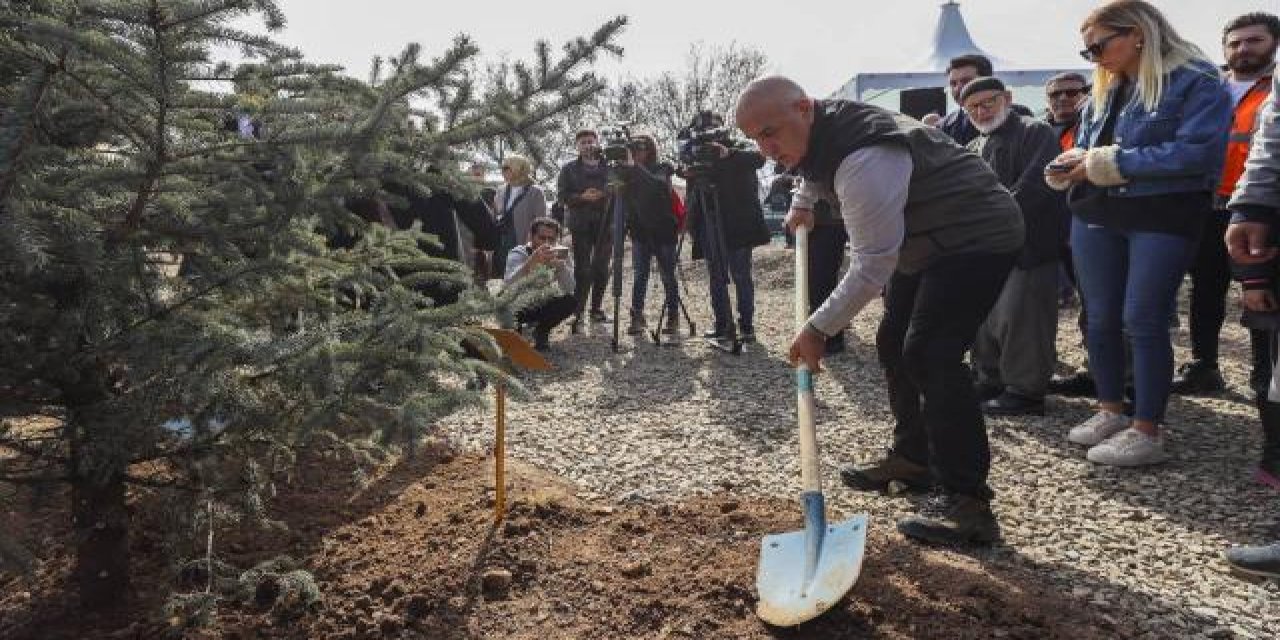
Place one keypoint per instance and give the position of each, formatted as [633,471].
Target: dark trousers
[592,246]
[547,315]
[930,320]
[1210,277]
[738,270]
[826,255]
[642,255]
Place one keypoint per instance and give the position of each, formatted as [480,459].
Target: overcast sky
[820,44]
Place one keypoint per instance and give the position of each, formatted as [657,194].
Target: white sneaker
[1101,426]
[1129,448]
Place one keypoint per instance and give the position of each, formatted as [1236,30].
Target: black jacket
[956,124]
[955,202]
[738,190]
[576,177]
[647,195]
[1018,151]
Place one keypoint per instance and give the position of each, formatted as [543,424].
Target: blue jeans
[739,271]
[1129,280]
[642,253]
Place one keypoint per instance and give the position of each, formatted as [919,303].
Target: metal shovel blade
[803,573]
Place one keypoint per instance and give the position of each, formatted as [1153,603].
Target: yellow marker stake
[522,356]
[500,454]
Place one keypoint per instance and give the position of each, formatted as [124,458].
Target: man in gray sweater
[930,225]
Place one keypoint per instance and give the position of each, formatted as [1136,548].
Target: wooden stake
[499,454]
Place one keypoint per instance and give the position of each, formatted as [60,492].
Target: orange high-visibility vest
[1243,126]
[1068,139]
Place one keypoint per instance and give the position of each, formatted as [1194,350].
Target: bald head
[776,113]
[776,90]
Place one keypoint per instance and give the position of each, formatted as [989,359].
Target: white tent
[950,39]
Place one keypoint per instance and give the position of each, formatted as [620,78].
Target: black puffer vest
[955,203]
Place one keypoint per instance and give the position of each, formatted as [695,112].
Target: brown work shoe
[955,520]
[893,470]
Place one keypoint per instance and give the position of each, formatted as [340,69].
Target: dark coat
[439,213]
[956,124]
[647,195]
[576,177]
[1018,151]
[738,187]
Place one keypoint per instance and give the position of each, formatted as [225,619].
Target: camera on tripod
[616,142]
[698,150]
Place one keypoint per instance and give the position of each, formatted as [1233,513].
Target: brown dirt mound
[414,554]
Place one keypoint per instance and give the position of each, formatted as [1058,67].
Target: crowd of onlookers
[968,225]
[1158,166]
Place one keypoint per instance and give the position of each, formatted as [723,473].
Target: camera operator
[653,227]
[542,250]
[582,188]
[730,171]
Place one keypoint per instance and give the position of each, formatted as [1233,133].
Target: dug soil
[414,553]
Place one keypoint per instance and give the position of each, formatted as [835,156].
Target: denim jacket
[1176,148]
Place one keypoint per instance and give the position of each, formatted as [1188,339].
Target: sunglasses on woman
[1094,51]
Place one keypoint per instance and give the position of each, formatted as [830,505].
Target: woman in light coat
[517,203]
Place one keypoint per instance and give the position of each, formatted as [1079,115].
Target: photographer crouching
[726,220]
[543,251]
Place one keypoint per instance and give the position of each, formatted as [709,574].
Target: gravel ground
[659,424]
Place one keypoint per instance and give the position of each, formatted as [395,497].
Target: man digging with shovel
[930,225]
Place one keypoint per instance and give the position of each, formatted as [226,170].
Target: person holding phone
[543,252]
[1148,154]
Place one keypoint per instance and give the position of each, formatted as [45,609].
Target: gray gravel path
[662,423]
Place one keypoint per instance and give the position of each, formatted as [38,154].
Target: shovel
[804,573]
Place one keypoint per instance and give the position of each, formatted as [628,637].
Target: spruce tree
[172,287]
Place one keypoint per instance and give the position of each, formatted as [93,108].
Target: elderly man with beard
[931,221]
[1014,352]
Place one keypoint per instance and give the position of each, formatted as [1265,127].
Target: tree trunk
[96,468]
[100,522]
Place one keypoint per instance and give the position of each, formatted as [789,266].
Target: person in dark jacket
[1015,350]
[653,227]
[1065,93]
[1249,45]
[932,228]
[961,70]
[583,188]
[733,182]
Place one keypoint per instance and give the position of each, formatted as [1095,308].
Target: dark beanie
[978,85]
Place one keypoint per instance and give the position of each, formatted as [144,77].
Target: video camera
[616,142]
[696,140]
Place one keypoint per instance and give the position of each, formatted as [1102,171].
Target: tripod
[619,237]
[705,198]
[662,315]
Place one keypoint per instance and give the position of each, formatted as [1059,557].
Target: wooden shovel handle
[810,474]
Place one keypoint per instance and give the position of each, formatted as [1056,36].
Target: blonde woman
[1149,150]
[516,205]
